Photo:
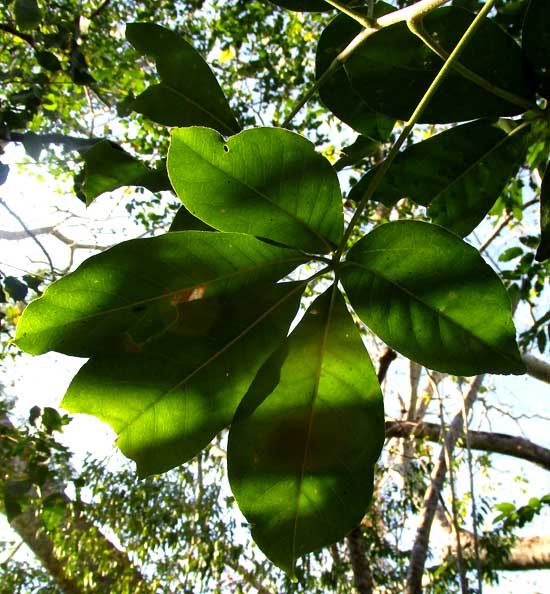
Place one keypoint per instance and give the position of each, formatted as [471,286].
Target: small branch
[29,233]
[19,34]
[497,443]
[54,232]
[352,14]
[419,9]
[69,142]
[537,368]
[419,551]
[362,575]
[501,226]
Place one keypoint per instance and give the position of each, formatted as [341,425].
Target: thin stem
[454,508]
[419,8]
[351,13]
[30,234]
[479,573]
[416,26]
[385,165]
[503,224]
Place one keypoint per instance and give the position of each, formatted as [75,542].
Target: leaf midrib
[214,356]
[315,394]
[167,295]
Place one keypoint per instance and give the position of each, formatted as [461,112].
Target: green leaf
[337,92]
[107,166]
[27,14]
[54,510]
[431,296]
[393,69]
[536,43]
[48,60]
[78,68]
[510,254]
[189,93]
[268,182]
[460,173]
[15,288]
[305,439]
[185,221]
[543,250]
[169,400]
[118,300]
[465,201]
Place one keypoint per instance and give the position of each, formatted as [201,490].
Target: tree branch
[419,551]
[497,443]
[29,234]
[362,575]
[537,368]
[7,28]
[71,143]
[30,527]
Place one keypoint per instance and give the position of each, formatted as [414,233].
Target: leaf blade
[431,297]
[536,43]
[169,400]
[300,478]
[122,298]
[265,181]
[189,93]
[393,69]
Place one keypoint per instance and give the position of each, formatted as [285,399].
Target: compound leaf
[305,439]
[431,296]
[120,299]
[169,400]
[189,93]
[268,182]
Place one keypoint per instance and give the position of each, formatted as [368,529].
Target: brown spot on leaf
[185,295]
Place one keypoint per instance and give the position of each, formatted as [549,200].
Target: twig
[19,34]
[501,226]
[352,14]
[417,9]
[486,441]
[454,508]
[29,233]
[537,368]
[419,551]
[479,573]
